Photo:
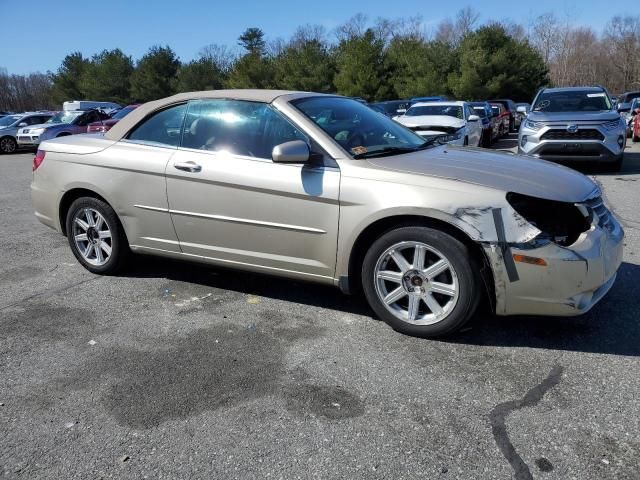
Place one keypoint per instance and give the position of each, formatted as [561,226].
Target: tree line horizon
[383,60]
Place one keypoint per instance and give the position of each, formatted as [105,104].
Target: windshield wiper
[393,150]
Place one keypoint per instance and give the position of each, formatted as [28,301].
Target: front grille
[581,134]
[422,128]
[602,212]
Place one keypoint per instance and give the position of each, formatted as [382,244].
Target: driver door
[231,203]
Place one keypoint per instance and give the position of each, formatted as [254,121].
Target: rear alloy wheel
[95,235]
[8,145]
[421,281]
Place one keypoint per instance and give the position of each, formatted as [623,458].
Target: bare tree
[354,27]
[622,40]
[453,31]
[21,93]
[223,56]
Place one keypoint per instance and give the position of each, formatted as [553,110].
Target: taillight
[38,159]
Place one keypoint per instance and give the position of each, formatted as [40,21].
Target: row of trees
[377,61]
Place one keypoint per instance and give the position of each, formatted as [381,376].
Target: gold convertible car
[323,188]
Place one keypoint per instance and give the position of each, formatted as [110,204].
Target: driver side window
[244,128]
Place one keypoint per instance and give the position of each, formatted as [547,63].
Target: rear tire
[635,138]
[426,294]
[8,145]
[96,236]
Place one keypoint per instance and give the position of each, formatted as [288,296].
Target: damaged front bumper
[556,280]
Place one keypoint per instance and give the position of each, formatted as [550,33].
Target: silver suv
[575,123]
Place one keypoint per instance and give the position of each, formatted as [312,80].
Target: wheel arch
[365,239]
[69,197]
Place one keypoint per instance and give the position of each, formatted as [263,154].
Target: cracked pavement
[182,371]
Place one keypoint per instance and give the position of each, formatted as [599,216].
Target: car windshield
[480,111]
[572,101]
[392,107]
[123,112]
[9,120]
[449,110]
[357,128]
[65,117]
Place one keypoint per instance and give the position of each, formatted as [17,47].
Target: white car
[450,122]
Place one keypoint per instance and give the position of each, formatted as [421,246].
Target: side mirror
[473,118]
[23,124]
[295,151]
[521,109]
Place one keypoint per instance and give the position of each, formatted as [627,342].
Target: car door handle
[188,167]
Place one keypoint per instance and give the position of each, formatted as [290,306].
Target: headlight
[612,125]
[457,135]
[533,125]
[36,131]
[559,222]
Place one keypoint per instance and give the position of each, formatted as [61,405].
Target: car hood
[431,121]
[499,170]
[605,116]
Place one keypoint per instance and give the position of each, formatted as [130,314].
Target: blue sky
[37,34]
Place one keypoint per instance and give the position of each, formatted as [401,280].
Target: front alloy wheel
[8,145]
[421,281]
[420,291]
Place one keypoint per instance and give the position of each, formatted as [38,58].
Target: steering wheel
[355,139]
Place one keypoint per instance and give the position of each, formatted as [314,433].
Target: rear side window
[244,128]
[162,128]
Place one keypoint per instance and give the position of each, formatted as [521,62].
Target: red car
[502,118]
[105,125]
[635,128]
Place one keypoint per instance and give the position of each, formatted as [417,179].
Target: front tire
[96,236]
[8,145]
[421,281]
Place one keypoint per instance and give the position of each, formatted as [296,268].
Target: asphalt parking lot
[174,370]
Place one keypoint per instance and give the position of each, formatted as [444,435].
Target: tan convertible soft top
[121,128]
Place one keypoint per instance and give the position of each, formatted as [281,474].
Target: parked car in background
[489,130]
[391,108]
[10,124]
[4,114]
[434,98]
[105,125]
[522,110]
[511,109]
[502,118]
[624,100]
[260,181]
[635,113]
[107,107]
[574,124]
[624,109]
[64,123]
[449,122]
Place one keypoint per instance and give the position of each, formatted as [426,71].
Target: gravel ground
[178,371]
